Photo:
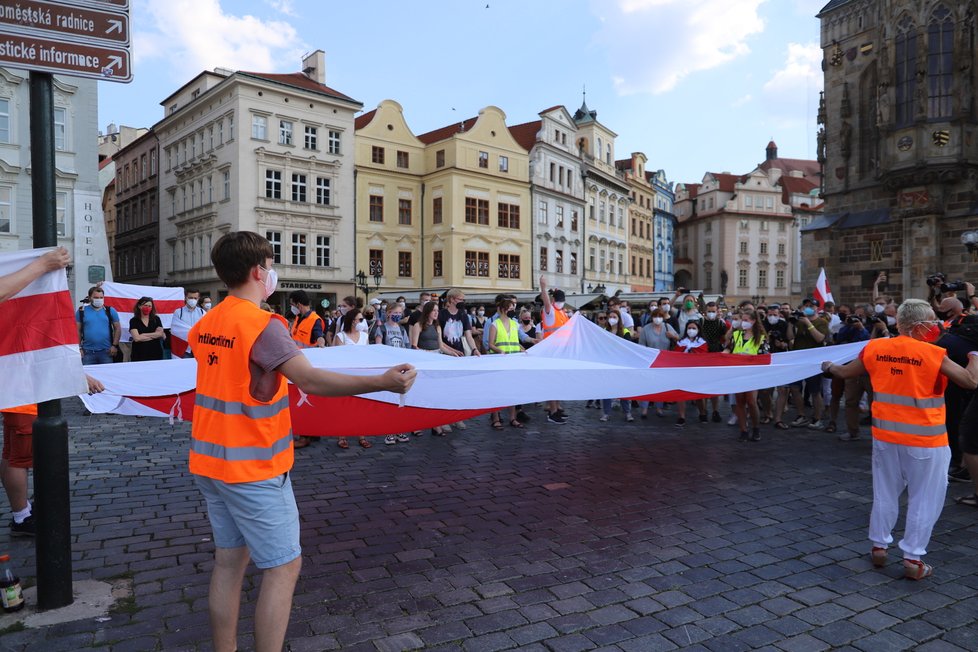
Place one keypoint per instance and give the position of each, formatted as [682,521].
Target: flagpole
[53,504]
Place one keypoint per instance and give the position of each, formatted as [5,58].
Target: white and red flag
[823,292]
[39,355]
[123,297]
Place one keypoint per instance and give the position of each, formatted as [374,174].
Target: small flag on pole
[822,291]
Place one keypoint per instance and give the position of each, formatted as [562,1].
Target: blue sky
[696,85]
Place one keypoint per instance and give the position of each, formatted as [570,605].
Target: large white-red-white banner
[39,355]
[123,297]
[579,361]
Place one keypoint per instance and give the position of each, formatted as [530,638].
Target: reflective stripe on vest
[236,408]
[560,318]
[908,391]
[241,453]
[509,341]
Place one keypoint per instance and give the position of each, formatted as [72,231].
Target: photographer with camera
[779,336]
[810,332]
[853,330]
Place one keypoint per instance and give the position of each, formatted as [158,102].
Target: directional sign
[56,20]
[70,37]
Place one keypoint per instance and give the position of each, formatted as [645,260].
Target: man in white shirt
[184,318]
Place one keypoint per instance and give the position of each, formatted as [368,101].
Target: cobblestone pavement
[610,536]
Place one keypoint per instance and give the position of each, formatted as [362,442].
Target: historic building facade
[556,198]
[136,241]
[271,153]
[664,219]
[641,248]
[898,142]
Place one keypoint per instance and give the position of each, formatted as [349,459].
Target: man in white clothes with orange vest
[552,317]
[241,440]
[910,447]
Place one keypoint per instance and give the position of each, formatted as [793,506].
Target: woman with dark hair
[146,331]
[352,331]
[346,305]
[692,342]
[613,324]
[750,339]
[425,335]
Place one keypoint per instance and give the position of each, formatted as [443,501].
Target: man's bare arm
[322,382]
[14,282]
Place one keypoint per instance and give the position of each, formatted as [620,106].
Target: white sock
[20,516]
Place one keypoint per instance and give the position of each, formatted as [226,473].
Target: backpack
[109,311]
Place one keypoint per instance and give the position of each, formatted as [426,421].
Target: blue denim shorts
[261,515]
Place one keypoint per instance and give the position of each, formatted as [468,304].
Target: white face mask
[773,319]
[612,321]
[362,326]
[735,323]
[481,312]
[746,325]
[692,333]
[559,305]
[711,315]
[98,303]
[191,303]
[879,308]
[890,321]
[271,282]
[343,310]
[657,320]
[207,305]
[295,310]
[665,307]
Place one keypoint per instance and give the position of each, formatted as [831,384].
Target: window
[210,138]
[153,162]
[621,217]
[602,212]
[591,214]
[311,138]
[5,209]
[404,264]
[230,127]
[273,184]
[477,263]
[780,248]
[742,277]
[484,160]
[376,208]
[143,171]
[440,158]
[709,249]
[193,146]
[376,258]
[559,261]
[402,159]
[504,164]
[906,69]
[544,255]
[603,267]
[509,266]
[542,212]
[436,210]
[782,227]
[477,211]
[590,259]
[436,264]
[227,184]
[553,170]
[220,132]
[259,127]
[764,223]
[559,216]
[779,278]
[404,211]
[768,204]
[298,248]
[4,121]
[275,238]
[508,216]
[298,187]
[210,189]
[574,220]
[743,247]
[334,142]
[377,155]
[744,224]
[323,191]
[762,278]
[573,265]
[621,263]
[322,251]
[763,248]
[876,251]
[940,73]
[60,129]
[284,132]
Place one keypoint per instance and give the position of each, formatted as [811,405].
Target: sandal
[878,557]
[343,443]
[971,501]
[363,442]
[781,425]
[914,569]
[497,425]
[515,423]
[765,420]
[438,430]
[301,442]
[830,427]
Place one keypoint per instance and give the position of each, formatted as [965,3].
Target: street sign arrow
[114,26]
[56,19]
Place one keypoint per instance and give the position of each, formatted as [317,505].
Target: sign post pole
[53,516]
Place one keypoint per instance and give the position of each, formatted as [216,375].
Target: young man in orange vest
[241,439]
[910,447]
[551,318]
[308,329]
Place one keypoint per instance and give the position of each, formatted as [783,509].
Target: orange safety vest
[235,437]
[908,391]
[22,409]
[560,318]
[302,329]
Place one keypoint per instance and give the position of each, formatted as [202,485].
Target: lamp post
[364,286]
[970,240]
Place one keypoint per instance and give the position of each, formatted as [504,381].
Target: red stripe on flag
[37,322]
[126,304]
[673,359]
[178,347]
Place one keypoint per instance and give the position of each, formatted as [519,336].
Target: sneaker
[25,528]
[554,417]
[403,437]
[603,417]
[680,422]
[560,413]
[914,569]
[816,425]
[716,417]
[743,436]
[732,421]
[390,440]
[849,437]
[523,417]
[589,404]
[800,422]
[446,429]
[704,418]
[755,434]
[959,475]
[460,425]
[629,418]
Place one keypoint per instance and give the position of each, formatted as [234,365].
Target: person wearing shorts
[17,458]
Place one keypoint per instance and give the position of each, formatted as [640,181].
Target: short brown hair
[235,253]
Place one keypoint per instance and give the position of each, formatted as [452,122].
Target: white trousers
[923,473]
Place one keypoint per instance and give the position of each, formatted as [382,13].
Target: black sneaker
[562,414]
[589,404]
[743,436]
[755,435]
[716,417]
[554,417]
[680,422]
[522,416]
[25,528]
[703,418]
[959,475]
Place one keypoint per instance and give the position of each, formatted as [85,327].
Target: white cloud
[791,93]
[196,35]
[741,101]
[284,6]
[653,44]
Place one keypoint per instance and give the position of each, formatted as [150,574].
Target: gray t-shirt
[656,340]
[273,348]
[395,336]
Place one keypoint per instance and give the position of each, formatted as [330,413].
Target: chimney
[772,151]
[314,66]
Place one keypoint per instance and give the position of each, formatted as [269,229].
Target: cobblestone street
[613,536]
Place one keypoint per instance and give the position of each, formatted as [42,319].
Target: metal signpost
[78,38]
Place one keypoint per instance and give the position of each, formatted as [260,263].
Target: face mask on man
[559,305]
[270,282]
[98,303]
[612,321]
[711,315]
[191,303]
[667,307]
[879,308]
[890,321]
[931,332]
[773,319]
[295,310]
[808,312]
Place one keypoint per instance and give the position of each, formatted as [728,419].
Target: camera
[952,287]
[852,320]
[936,279]
[795,316]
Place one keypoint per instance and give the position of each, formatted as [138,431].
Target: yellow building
[640,249]
[455,208]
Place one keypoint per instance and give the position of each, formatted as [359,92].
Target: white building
[557,198]
[78,197]
[263,152]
